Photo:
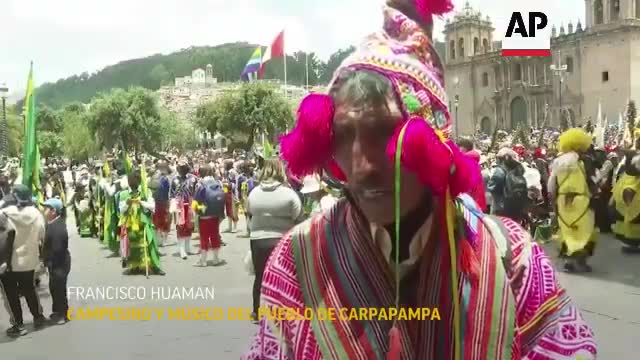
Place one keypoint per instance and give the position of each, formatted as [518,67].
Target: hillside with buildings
[153,72]
[186,93]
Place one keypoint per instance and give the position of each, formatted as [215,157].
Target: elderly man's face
[361,137]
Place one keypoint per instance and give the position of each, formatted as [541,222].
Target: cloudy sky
[65,37]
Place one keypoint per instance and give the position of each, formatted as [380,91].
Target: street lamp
[4,91]
[558,70]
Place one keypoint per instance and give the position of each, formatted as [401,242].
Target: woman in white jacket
[27,223]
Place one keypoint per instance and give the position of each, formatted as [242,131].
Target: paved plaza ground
[609,299]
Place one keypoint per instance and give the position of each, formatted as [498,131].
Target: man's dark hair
[206,170]
[465,143]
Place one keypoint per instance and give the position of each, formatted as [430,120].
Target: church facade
[598,63]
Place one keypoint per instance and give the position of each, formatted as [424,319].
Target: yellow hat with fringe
[574,139]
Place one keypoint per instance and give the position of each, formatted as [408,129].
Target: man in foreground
[407,235]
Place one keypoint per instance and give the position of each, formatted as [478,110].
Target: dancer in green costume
[97,197]
[110,216]
[138,245]
[84,215]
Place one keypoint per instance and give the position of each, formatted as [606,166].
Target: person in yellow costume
[571,188]
[625,202]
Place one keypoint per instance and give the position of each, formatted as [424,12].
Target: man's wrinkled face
[361,136]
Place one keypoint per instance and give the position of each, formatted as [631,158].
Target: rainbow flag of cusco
[250,71]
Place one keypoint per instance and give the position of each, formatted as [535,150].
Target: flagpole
[306,66]
[284,51]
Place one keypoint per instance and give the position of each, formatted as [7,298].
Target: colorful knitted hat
[403,54]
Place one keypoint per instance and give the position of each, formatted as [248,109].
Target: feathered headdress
[403,54]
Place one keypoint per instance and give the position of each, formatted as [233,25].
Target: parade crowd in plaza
[368,202]
[130,206]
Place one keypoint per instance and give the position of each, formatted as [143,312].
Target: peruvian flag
[275,50]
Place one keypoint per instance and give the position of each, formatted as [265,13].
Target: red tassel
[334,169]
[468,260]
[394,344]
[308,146]
[428,8]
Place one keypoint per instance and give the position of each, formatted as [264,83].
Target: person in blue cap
[27,222]
[57,258]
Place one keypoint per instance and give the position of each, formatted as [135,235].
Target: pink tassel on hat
[467,176]
[394,344]
[423,153]
[308,146]
[428,8]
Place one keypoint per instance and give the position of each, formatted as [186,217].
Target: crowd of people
[130,205]
[369,202]
[574,191]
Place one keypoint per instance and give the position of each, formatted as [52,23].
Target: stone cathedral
[596,62]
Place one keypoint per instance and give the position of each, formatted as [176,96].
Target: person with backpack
[508,187]
[209,203]
[572,188]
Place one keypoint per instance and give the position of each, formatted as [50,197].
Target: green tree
[72,108]
[50,144]
[129,119]
[207,115]
[48,119]
[160,75]
[15,129]
[327,70]
[631,119]
[78,142]
[179,134]
[252,109]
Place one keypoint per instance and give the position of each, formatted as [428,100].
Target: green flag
[126,162]
[144,182]
[267,150]
[30,153]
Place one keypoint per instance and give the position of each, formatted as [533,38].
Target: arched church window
[485,79]
[598,12]
[614,10]
[517,72]
[569,62]
[461,48]
[476,46]
[452,49]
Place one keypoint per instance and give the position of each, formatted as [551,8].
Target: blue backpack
[213,198]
